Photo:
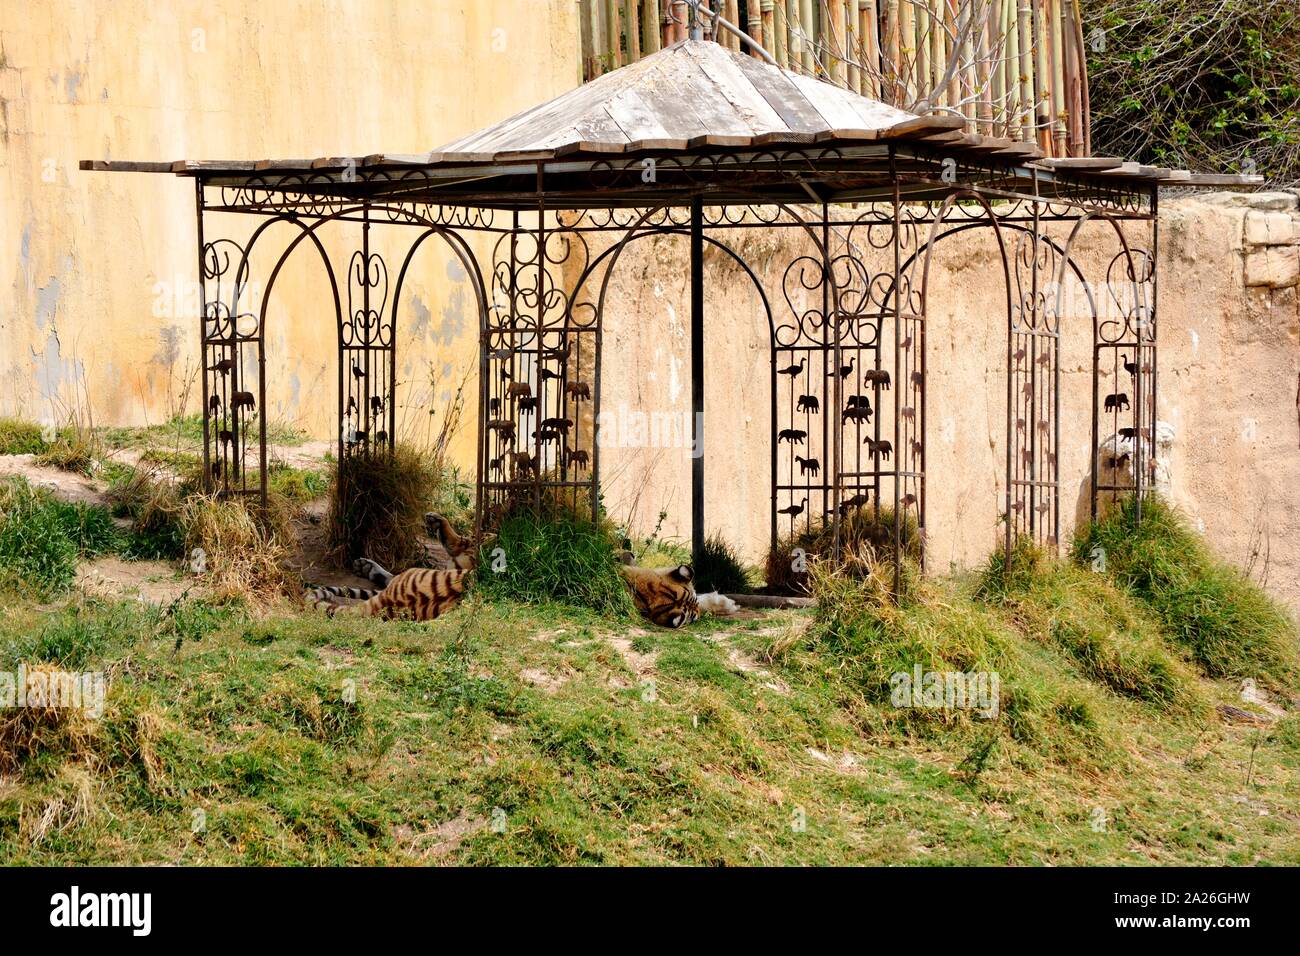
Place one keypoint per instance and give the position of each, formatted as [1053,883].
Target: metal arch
[233,466]
[1140,433]
[467,259]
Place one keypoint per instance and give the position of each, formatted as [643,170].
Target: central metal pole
[697,377]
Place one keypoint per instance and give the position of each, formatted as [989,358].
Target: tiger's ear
[683,573]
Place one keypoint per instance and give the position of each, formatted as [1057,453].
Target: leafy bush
[1226,622]
[555,557]
[866,540]
[1203,84]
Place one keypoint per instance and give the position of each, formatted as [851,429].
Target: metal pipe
[697,376]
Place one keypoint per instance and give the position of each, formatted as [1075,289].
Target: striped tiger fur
[667,597]
[420,594]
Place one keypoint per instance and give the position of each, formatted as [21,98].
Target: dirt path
[65,485]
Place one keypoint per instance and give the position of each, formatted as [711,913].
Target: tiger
[666,597]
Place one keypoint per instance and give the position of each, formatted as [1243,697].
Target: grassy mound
[1227,623]
[555,557]
[944,630]
[1115,642]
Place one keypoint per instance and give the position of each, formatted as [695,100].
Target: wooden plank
[835,113]
[731,84]
[125,166]
[635,117]
[1082,162]
[796,112]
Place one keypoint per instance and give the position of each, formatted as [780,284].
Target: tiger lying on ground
[666,597]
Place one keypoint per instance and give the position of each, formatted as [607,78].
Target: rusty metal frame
[848,346]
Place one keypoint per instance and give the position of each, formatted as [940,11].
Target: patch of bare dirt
[154,582]
[642,665]
[544,680]
[65,485]
[438,841]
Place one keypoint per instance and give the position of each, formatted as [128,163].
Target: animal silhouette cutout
[844,371]
[545,374]
[809,403]
[495,465]
[793,510]
[848,504]
[908,500]
[545,435]
[504,427]
[1130,367]
[559,355]
[808,465]
[560,424]
[242,400]
[917,380]
[878,377]
[1120,461]
[858,401]
[214,404]
[858,413]
[519,390]
[577,457]
[528,406]
[376,405]
[1117,402]
[884,448]
[578,390]
[494,406]
[794,436]
[524,464]
[224,366]
[352,404]
[794,370]
[909,413]
[357,371]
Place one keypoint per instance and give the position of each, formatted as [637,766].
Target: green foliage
[1112,640]
[18,437]
[1209,85]
[555,557]
[299,485]
[37,553]
[717,568]
[1226,622]
[866,535]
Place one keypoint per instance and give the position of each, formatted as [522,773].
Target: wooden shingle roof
[693,93]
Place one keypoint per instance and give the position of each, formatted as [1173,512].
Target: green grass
[558,558]
[1226,622]
[185,433]
[42,538]
[299,485]
[717,568]
[18,437]
[510,734]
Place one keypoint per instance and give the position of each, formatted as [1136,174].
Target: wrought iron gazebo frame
[847,346]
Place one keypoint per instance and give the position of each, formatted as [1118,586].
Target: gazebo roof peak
[691,93]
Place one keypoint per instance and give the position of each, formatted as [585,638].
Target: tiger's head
[665,596]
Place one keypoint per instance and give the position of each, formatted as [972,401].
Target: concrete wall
[97,270]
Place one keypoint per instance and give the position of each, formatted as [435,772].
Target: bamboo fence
[1014,68]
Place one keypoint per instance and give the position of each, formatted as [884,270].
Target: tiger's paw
[372,571]
[716,603]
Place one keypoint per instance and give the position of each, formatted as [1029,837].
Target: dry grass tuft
[866,543]
[31,730]
[378,502]
[244,549]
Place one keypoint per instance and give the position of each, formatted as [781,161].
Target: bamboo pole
[771,38]
[808,27]
[893,44]
[778,34]
[1024,37]
[906,51]
[790,15]
[588,49]
[985,71]
[920,50]
[869,41]
[1060,109]
[757,29]
[1042,77]
[613,35]
[632,29]
[650,27]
